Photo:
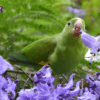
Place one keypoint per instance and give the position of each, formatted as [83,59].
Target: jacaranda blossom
[87,95]
[44,75]
[46,90]
[78,12]
[91,42]
[4,65]
[28,94]
[7,87]
[94,85]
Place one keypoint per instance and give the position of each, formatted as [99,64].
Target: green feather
[63,51]
[40,50]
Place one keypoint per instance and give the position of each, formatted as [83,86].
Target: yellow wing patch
[43,63]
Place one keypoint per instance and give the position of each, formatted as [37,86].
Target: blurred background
[25,21]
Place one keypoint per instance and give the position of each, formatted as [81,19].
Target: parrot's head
[75,25]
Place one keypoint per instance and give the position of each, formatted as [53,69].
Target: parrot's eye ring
[69,23]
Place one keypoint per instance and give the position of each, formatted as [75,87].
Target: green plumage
[69,51]
[63,51]
[40,50]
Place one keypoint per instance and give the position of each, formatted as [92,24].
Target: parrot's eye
[69,23]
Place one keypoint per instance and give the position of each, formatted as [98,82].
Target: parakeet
[62,52]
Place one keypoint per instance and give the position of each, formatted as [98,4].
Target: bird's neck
[67,37]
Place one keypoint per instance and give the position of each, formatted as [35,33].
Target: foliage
[26,21]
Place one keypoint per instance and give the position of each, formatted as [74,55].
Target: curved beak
[77,27]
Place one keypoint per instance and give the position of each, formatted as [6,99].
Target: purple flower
[3,95]
[76,90]
[87,95]
[40,92]
[3,82]
[89,78]
[98,75]
[70,83]
[77,12]
[98,67]
[63,90]
[70,9]
[91,61]
[7,89]
[44,76]
[94,85]
[11,88]
[45,90]
[91,42]
[28,94]
[3,86]
[4,65]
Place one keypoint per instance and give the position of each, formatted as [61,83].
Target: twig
[2,35]
[16,75]
[18,71]
[64,77]
[82,83]
[22,72]
[84,70]
[25,73]
[3,42]
[26,81]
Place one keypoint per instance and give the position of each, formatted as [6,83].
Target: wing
[39,51]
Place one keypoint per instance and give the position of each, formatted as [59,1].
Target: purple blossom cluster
[92,92]
[44,88]
[94,85]
[78,12]
[7,87]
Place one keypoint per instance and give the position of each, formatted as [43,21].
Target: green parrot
[62,52]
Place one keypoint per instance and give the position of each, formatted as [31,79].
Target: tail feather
[19,57]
